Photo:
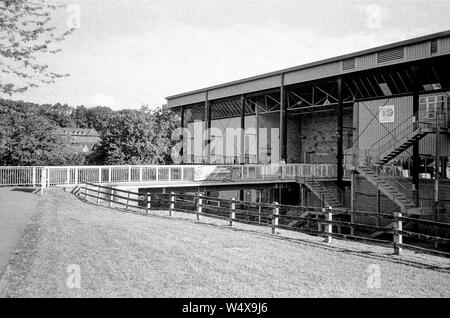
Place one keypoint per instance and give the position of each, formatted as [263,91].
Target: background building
[81,140]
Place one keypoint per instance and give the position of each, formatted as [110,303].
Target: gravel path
[128,255]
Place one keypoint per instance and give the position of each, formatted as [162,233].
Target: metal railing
[73,175]
[28,176]
[405,131]
[404,186]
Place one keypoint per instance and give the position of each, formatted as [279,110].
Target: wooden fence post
[259,212]
[111,197]
[128,200]
[352,220]
[352,204]
[199,205]
[98,193]
[398,238]
[275,213]
[232,212]
[148,204]
[172,203]
[149,201]
[328,226]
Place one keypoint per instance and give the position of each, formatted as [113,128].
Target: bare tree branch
[26,33]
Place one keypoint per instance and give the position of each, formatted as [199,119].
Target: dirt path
[16,208]
[122,254]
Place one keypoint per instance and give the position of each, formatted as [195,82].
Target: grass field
[128,255]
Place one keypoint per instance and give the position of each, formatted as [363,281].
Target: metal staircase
[401,141]
[322,193]
[398,140]
[399,193]
[386,187]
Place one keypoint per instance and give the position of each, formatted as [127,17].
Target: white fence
[72,175]
[20,175]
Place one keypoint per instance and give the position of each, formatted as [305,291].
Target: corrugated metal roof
[361,55]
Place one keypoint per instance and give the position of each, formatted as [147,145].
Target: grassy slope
[16,208]
[124,254]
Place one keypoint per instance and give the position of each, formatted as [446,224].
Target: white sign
[204,173]
[386,114]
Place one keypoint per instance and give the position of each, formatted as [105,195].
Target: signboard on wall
[386,114]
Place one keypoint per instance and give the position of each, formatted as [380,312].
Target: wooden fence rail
[272,215]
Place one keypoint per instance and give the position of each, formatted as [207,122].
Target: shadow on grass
[322,245]
[25,189]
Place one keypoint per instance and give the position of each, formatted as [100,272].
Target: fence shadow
[372,255]
[26,190]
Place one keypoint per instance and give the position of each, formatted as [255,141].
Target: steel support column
[182,133]
[207,152]
[340,137]
[283,121]
[415,156]
[242,133]
[444,161]
[437,174]
[257,134]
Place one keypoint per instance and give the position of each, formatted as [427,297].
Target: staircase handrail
[311,177]
[369,163]
[402,133]
[398,135]
[400,125]
[403,136]
[339,190]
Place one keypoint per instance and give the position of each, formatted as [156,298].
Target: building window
[432,105]
[434,47]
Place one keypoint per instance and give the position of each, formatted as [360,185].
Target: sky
[126,53]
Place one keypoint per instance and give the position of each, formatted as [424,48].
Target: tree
[27,33]
[137,137]
[98,118]
[29,139]
[79,116]
[60,114]
[167,122]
